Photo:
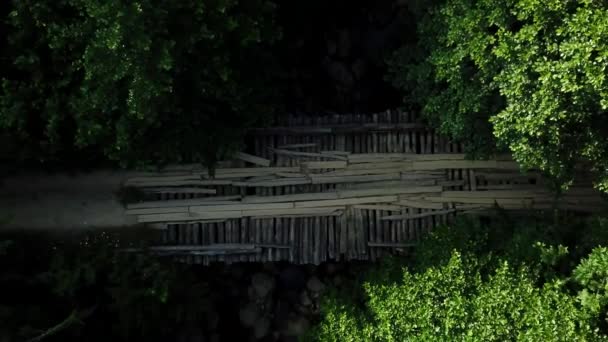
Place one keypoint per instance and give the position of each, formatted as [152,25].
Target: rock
[261,327]
[248,314]
[296,326]
[305,299]
[315,285]
[262,284]
[292,278]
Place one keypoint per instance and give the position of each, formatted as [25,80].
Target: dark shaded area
[334,53]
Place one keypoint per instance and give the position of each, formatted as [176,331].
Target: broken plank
[252,159]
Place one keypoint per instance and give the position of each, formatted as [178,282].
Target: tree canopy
[135,81]
[530,74]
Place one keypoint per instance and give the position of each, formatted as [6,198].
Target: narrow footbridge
[339,187]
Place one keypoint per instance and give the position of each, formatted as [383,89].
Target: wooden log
[343,235]
[292,239]
[316,250]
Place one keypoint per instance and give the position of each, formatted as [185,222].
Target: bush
[506,280]
[453,303]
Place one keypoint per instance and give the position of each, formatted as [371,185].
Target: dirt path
[62,201]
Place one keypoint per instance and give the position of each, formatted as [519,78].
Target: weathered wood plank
[346,201]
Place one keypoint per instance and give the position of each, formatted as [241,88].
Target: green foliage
[592,276]
[534,70]
[453,303]
[137,82]
[508,279]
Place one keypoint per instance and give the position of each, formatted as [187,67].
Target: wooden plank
[240,206]
[295,154]
[416,216]
[156,210]
[297,212]
[275,182]
[404,165]
[314,165]
[346,201]
[388,191]
[421,204]
[291,198]
[180,190]
[322,179]
[499,201]
[294,146]
[252,159]
[331,238]
[360,234]
[496,194]
[454,164]
[386,207]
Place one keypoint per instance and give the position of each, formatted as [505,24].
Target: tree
[136,82]
[533,73]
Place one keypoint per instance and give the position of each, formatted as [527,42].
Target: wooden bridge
[341,187]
